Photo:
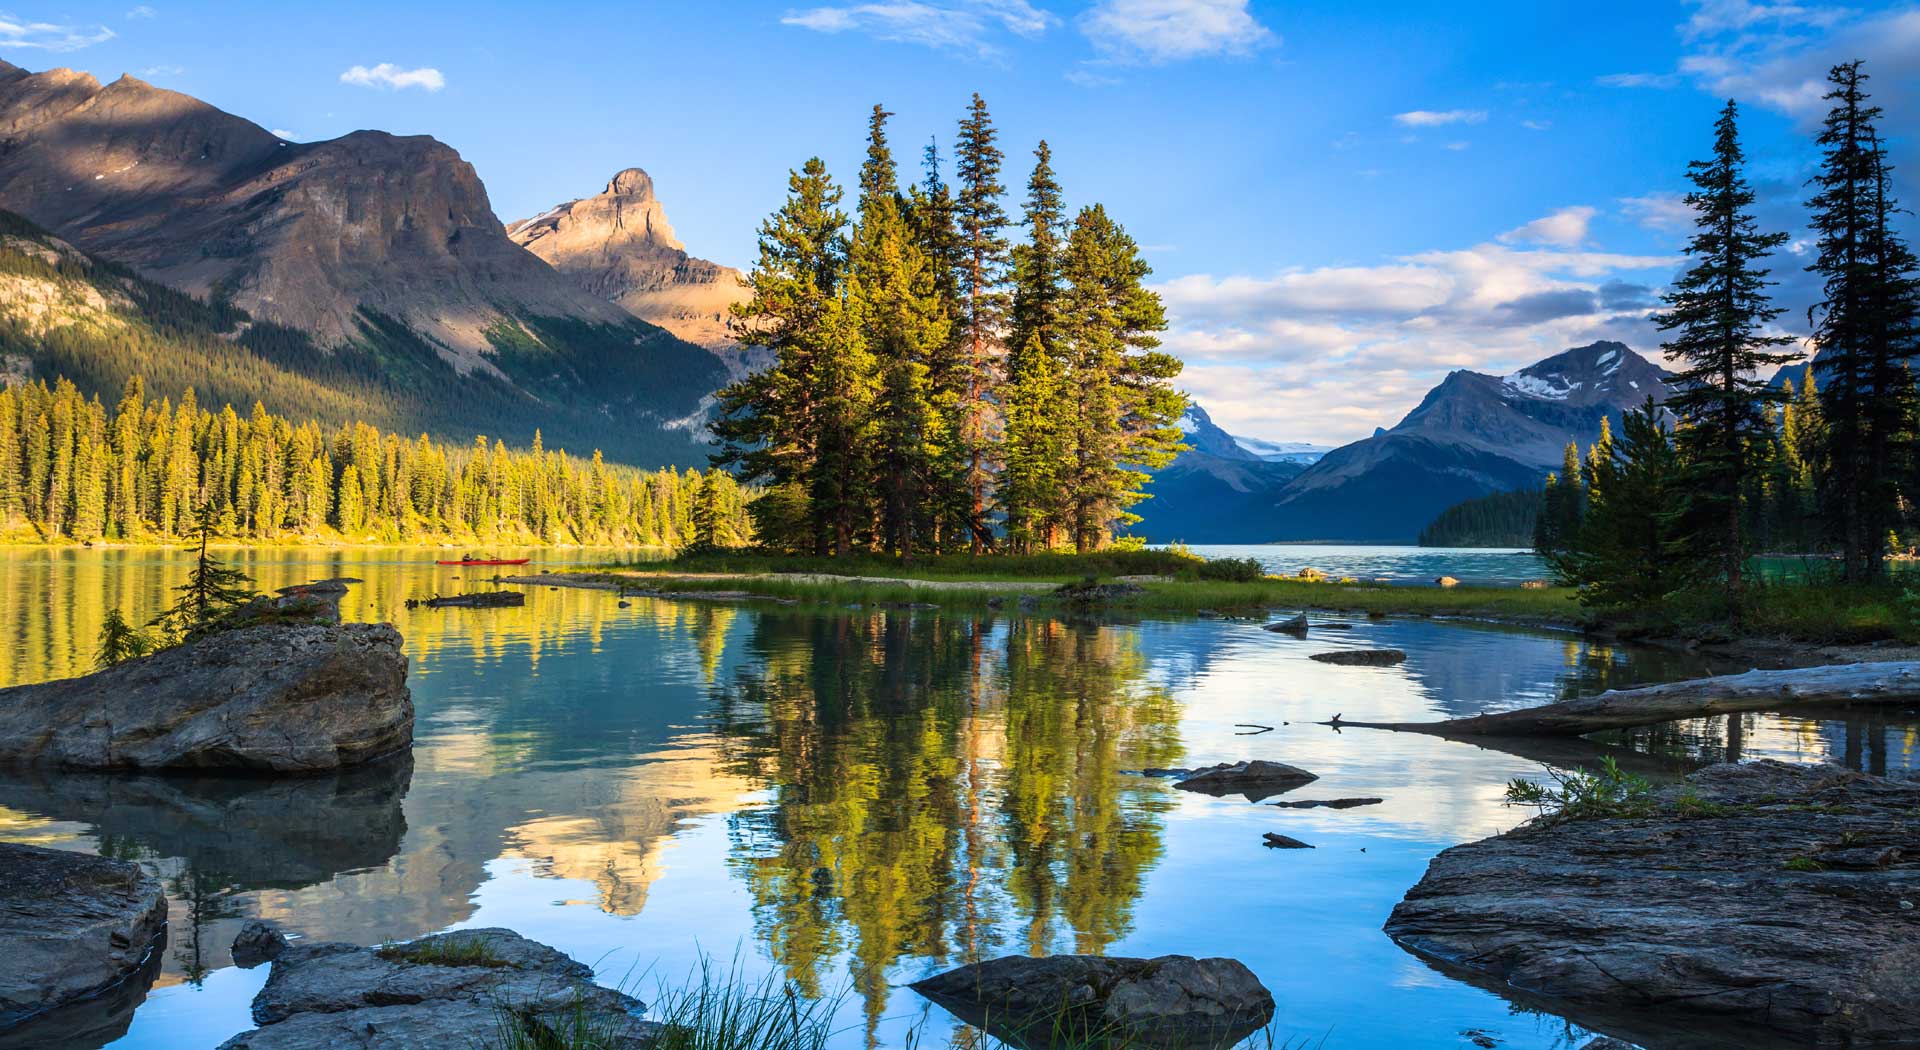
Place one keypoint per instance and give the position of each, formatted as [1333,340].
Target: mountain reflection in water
[850,798]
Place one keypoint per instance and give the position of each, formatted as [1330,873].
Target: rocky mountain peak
[1604,371]
[619,246]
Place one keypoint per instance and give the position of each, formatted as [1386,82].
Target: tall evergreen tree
[1719,311]
[1629,550]
[1863,401]
[982,222]
[1030,447]
[931,215]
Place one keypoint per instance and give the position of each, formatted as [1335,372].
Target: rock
[1447,581]
[1090,593]
[998,601]
[624,604]
[1208,614]
[1360,657]
[442,990]
[1295,625]
[258,942]
[1275,841]
[1699,917]
[1256,780]
[481,600]
[1028,603]
[1335,625]
[1174,1001]
[1311,574]
[271,698]
[1534,585]
[1330,803]
[72,926]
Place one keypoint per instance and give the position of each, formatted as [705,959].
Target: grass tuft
[444,951]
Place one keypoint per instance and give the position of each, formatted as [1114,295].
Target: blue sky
[1342,202]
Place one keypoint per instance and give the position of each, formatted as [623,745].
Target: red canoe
[487,561]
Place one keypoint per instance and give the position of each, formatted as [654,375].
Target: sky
[1341,202]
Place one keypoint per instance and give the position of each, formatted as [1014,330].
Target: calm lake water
[849,798]
[1481,566]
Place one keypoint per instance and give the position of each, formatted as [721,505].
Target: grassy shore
[1175,582]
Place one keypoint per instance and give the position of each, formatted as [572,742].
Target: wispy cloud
[1565,228]
[1429,118]
[151,72]
[1170,30]
[143,11]
[390,77]
[1658,211]
[1536,125]
[1711,17]
[1639,80]
[49,36]
[961,25]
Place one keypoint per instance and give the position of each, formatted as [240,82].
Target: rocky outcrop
[1171,1001]
[1769,904]
[619,246]
[72,926]
[257,942]
[1256,780]
[445,990]
[272,698]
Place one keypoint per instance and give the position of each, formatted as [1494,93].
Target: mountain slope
[1208,492]
[382,249]
[1473,434]
[619,246]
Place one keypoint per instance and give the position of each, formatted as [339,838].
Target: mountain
[1302,452]
[1473,434]
[379,255]
[1207,492]
[619,246]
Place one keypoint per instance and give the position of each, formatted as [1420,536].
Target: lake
[849,798]
[1473,566]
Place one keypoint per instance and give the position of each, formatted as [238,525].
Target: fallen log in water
[1894,681]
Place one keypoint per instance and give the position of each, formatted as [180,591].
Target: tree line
[935,386]
[73,470]
[1689,490]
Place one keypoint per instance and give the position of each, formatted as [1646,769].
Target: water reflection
[855,798]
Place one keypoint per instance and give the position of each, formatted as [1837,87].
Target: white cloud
[1460,145]
[1566,228]
[389,76]
[1712,17]
[1659,211]
[1327,354]
[143,11]
[1639,80]
[162,71]
[1427,118]
[1536,125]
[1088,78]
[965,25]
[1168,30]
[49,36]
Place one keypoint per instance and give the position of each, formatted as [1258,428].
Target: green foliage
[1807,864]
[73,470]
[1499,519]
[212,594]
[1580,795]
[120,641]
[718,1010]
[1628,549]
[1236,570]
[447,950]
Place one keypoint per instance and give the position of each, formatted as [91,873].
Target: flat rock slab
[1714,916]
[274,698]
[1329,803]
[72,926]
[480,600]
[1360,657]
[1256,779]
[449,989]
[1174,1001]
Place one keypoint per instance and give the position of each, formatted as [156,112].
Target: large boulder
[72,926]
[273,698]
[1768,904]
[448,989]
[1256,779]
[1174,1001]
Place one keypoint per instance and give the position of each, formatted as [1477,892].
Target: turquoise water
[849,798]
[1405,565]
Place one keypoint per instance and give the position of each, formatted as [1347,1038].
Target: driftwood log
[1896,681]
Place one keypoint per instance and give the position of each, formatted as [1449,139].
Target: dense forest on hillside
[66,315]
[73,469]
[1499,519]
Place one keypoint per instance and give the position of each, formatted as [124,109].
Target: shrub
[1233,570]
[1579,795]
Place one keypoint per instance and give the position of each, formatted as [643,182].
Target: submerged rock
[72,926]
[273,698]
[1174,1001]
[1714,914]
[1274,840]
[1256,779]
[1360,657]
[480,600]
[1294,625]
[445,990]
[1329,803]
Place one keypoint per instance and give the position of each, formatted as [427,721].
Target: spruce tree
[1031,402]
[212,590]
[1719,312]
[982,222]
[1628,550]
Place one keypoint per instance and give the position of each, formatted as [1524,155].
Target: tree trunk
[1896,681]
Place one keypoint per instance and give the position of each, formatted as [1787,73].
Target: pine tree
[1629,550]
[981,221]
[1718,311]
[931,216]
[1031,450]
[120,641]
[211,592]
[1863,404]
